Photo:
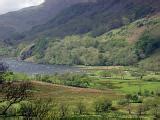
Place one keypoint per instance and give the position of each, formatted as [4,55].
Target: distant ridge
[97,18]
[19,21]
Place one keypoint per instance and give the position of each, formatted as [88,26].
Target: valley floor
[130,89]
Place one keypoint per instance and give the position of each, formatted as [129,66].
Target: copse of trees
[154,105]
[147,44]
[112,48]
[69,79]
[84,50]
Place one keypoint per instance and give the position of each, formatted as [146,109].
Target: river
[33,68]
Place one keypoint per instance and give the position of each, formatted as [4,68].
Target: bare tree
[15,93]
[3,68]
[64,110]
[141,110]
[129,97]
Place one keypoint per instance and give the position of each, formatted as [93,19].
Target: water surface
[33,68]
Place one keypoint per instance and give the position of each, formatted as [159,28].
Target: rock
[26,52]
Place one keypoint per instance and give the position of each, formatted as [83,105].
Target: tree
[156,108]
[103,105]
[3,69]
[90,56]
[15,93]
[141,109]
[27,110]
[136,98]
[106,73]
[64,110]
[38,108]
[153,104]
[148,43]
[139,74]
[80,108]
[122,73]
[129,97]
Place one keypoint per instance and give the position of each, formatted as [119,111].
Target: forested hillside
[123,46]
[94,32]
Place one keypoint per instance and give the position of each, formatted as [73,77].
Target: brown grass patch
[71,94]
[136,35]
[100,67]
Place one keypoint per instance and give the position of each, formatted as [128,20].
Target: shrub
[76,80]
[147,44]
[63,110]
[103,106]
[81,108]
[152,78]
[3,70]
[122,102]
[105,74]
[38,108]
[147,93]
[133,98]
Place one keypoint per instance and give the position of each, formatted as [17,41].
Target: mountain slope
[112,32]
[19,21]
[124,46]
[97,17]
[152,62]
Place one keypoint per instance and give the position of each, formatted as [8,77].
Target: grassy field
[98,84]
[123,82]
[71,95]
[114,87]
[127,86]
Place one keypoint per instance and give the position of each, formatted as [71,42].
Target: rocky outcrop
[26,52]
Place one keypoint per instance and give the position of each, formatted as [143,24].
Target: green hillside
[124,46]
[152,62]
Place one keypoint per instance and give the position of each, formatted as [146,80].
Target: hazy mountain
[96,17]
[25,19]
